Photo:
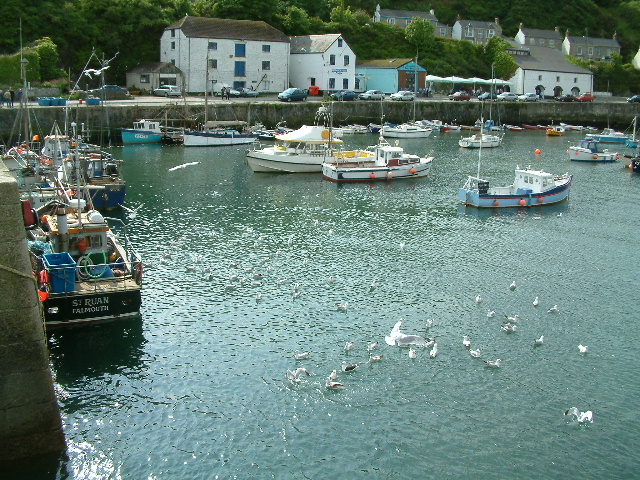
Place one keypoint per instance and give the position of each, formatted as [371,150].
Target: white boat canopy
[310,134]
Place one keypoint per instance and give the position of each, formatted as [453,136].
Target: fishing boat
[387,162]
[588,150]
[555,130]
[143,131]
[481,140]
[530,188]
[609,135]
[219,133]
[84,273]
[405,130]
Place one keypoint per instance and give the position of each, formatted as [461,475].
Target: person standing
[7,98]
[12,95]
[1,99]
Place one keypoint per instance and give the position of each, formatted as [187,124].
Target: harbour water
[195,388]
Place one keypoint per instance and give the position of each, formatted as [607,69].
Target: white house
[545,71]
[540,38]
[236,53]
[402,18]
[476,31]
[322,60]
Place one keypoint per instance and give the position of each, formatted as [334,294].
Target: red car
[585,97]
[459,96]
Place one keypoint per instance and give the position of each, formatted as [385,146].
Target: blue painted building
[389,75]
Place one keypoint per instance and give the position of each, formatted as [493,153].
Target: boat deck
[106,285]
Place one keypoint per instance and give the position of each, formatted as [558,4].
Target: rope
[17,272]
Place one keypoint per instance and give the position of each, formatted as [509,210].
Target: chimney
[557,29]
[521,25]
[497,21]
[432,12]
[566,34]
[615,35]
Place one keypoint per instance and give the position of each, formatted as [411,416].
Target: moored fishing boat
[84,273]
[218,133]
[609,135]
[405,130]
[555,130]
[481,140]
[530,188]
[387,162]
[588,150]
[143,131]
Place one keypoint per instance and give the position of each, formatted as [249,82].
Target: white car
[168,91]
[509,96]
[372,95]
[403,95]
[528,97]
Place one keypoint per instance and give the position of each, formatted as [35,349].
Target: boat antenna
[480,149]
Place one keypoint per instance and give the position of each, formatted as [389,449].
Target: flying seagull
[296,374]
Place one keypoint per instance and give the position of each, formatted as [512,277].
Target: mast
[206,88]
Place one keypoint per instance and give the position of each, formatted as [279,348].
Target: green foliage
[419,33]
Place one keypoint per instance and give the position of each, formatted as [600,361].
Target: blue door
[239,70]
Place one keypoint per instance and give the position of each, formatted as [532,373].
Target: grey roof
[536,32]
[409,14]
[155,67]
[600,42]
[479,24]
[393,63]
[547,60]
[313,43]
[201,27]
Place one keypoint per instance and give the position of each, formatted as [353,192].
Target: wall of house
[526,81]
[305,66]
[385,79]
[190,55]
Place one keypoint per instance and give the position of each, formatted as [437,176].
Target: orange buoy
[496,203]
[43,295]
[538,152]
[595,157]
[372,176]
[413,171]
[82,245]
[389,175]
[540,200]
[523,202]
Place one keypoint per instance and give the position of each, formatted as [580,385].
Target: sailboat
[530,188]
[406,130]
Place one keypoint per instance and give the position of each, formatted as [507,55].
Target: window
[213,45]
[266,65]
[480,33]
[539,78]
[332,84]
[579,51]
[590,51]
[144,78]
[491,33]
[173,45]
[532,41]
[346,60]
[266,48]
[240,50]
[557,79]
[340,42]
[313,80]
[542,42]
[213,63]
[345,83]
[239,69]
[332,59]
[357,84]
[575,80]
[598,52]
[443,32]
[469,32]
[391,21]
[173,33]
[173,61]
[552,43]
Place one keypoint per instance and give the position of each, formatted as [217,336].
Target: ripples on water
[196,387]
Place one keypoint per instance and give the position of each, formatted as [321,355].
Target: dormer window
[469,32]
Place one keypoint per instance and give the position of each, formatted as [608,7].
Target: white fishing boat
[218,133]
[609,135]
[387,162]
[481,140]
[588,150]
[405,130]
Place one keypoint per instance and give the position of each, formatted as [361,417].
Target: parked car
[460,96]
[372,95]
[634,99]
[507,96]
[566,97]
[403,96]
[243,92]
[487,96]
[585,97]
[528,97]
[293,95]
[345,95]
[168,91]
[110,92]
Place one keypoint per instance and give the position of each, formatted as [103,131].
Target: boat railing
[474,183]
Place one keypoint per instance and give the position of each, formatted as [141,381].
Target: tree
[264,10]
[419,33]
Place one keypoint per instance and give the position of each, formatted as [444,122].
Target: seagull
[296,286]
[478,299]
[132,211]
[331,279]
[491,314]
[538,341]
[301,356]
[371,346]
[513,319]
[402,245]
[429,323]
[581,417]
[494,364]
[231,286]
[295,375]
[372,287]
[583,348]
[346,367]
[333,385]
[190,268]
[466,342]
[258,296]
[434,351]
[348,346]
[553,309]
[475,353]
[375,358]
[509,328]
[342,306]
[513,285]
[536,302]
[333,375]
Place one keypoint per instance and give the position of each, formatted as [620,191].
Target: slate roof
[313,43]
[201,27]
[408,14]
[155,67]
[547,60]
[600,42]
[480,24]
[537,33]
[393,63]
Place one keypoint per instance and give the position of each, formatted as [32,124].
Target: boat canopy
[310,134]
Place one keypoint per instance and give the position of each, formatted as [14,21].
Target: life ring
[87,269]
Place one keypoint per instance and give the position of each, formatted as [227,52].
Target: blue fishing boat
[530,188]
[143,131]
[609,135]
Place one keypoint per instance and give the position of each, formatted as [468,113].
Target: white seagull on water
[333,385]
[491,314]
[493,364]
[348,346]
[581,417]
[333,375]
[434,350]
[466,342]
[301,356]
[553,309]
[539,341]
[478,299]
[509,328]
[375,358]
[132,211]
[475,353]
[536,302]
[513,285]
[371,346]
[583,348]
[412,353]
[342,306]
[295,375]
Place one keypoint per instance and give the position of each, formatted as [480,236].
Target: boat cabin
[532,181]
[147,125]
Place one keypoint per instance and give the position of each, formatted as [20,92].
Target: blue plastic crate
[62,271]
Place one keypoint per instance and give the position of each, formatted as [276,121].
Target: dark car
[346,95]
[293,95]
[460,96]
[487,96]
[243,92]
[110,92]
[566,98]
[634,99]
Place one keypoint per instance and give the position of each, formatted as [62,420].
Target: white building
[236,53]
[545,71]
[322,60]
